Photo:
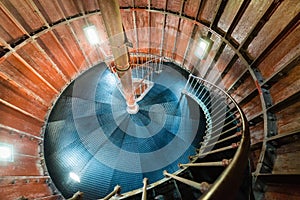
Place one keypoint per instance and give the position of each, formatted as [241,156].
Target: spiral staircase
[189,138]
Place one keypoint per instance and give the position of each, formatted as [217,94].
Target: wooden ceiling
[255,57]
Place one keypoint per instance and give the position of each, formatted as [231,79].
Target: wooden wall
[255,57]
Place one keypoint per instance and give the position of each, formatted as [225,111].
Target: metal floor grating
[90,133]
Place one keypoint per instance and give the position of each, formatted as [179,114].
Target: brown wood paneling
[170,35]
[57,54]
[174,5]
[244,89]
[211,73]
[224,59]
[235,72]
[9,31]
[257,133]
[288,120]
[31,54]
[104,46]
[288,85]
[11,94]
[191,58]
[160,4]
[21,166]
[125,3]
[273,27]
[156,25]
[287,49]
[191,7]
[29,188]
[287,159]
[20,73]
[90,5]
[250,18]
[19,121]
[65,37]
[228,15]
[209,11]
[142,23]
[50,10]
[280,192]
[90,51]
[141,3]
[25,14]
[22,144]
[184,34]
[69,8]
[252,108]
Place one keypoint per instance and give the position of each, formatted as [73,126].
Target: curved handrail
[213,99]
[142,73]
[227,184]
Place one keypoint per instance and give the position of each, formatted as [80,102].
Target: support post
[110,11]
[116,190]
[232,146]
[203,187]
[224,163]
[77,196]
[144,195]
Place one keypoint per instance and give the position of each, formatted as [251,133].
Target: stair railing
[116,191]
[144,194]
[142,73]
[142,79]
[216,104]
[225,122]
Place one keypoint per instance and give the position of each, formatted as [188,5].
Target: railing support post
[77,196]
[224,163]
[144,195]
[203,187]
[116,190]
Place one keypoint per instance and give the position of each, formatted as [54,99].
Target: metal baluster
[186,84]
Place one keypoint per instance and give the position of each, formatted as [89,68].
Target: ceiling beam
[281,73]
[13,19]
[256,29]
[21,111]
[292,25]
[218,15]
[237,18]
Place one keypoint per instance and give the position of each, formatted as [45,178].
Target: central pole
[110,11]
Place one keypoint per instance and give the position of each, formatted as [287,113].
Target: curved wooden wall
[255,57]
